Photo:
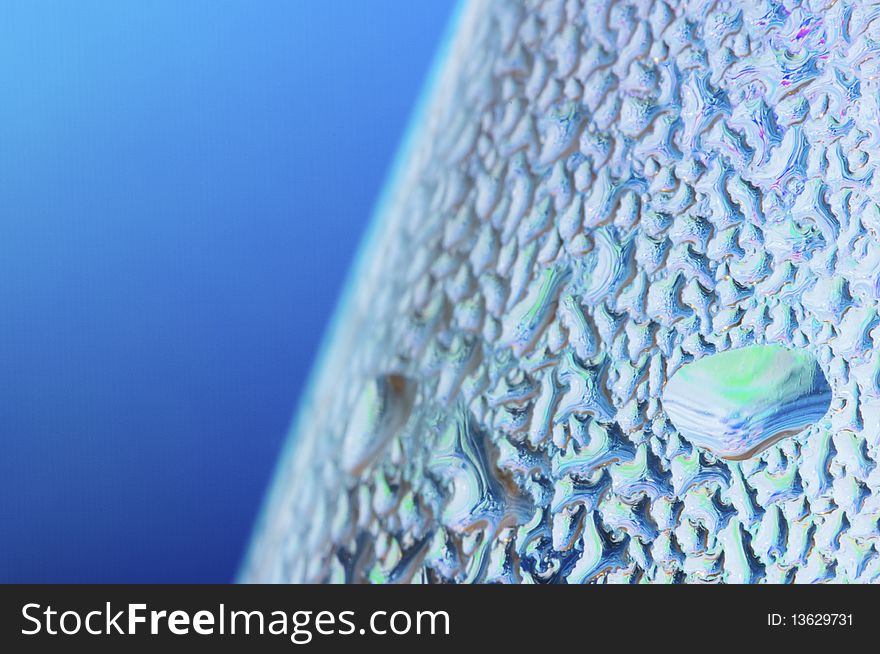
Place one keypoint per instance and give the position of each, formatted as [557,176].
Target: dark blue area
[182,188]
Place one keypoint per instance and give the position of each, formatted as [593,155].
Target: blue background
[183,186]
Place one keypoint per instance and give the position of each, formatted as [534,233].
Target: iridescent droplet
[382,408]
[737,403]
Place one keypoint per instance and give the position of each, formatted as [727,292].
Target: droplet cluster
[601,193]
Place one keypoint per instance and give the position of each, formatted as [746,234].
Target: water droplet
[382,408]
[737,403]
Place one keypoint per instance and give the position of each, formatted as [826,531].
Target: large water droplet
[737,403]
[382,408]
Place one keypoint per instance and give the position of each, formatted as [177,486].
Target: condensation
[599,195]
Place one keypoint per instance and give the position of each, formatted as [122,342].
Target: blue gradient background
[183,185]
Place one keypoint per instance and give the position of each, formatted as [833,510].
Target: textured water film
[617,321]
